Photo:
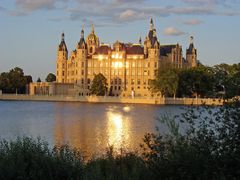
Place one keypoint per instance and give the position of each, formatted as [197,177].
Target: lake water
[86,126]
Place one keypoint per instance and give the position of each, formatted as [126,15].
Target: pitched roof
[190,49]
[103,49]
[62,46]
[166,49]
[135,49]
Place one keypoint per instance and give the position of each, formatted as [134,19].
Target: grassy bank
[209,149]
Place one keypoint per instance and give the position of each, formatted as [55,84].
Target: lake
[87,126]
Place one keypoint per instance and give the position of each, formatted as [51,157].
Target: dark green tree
[197,81]
[166,81]
[50,77]
[39,79]
[99,85]
[13,81]
[227,76]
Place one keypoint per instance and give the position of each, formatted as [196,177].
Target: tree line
[221,80]
[15,81]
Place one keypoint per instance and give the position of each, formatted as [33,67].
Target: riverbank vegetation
[208,148]
[218,81]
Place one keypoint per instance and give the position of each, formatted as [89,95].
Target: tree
[99,85]
[50,77]
[166,81]
[228,76]
[14,81]
[39,80]
[198,81]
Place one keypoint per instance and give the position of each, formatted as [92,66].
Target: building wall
[50,88]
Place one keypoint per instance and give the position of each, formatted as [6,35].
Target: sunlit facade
[127,67]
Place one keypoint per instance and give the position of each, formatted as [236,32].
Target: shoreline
[109,99]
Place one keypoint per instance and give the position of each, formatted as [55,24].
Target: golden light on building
[126,66]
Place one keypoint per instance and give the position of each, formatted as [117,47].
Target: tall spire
[191,40]
[63,36]
[82,32]
[92,28]
[151,24]
[140,40]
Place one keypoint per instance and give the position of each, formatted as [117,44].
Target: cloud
[32,5]
[193,22]
[2,9]
[131,15]
[225,3]
[17,13]
[119,11]
[171,31]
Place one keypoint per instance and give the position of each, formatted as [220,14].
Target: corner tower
[62,56]
[191,54]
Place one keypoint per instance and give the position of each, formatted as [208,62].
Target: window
[89,81]
[63,73]
[139,64]
[82,72]
[133,64]
[82,64]
[138,82]
[89,64]
[139,72]
[133,72]
[127,64]
[132,81]
[145,73]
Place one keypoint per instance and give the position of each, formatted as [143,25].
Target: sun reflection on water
[118,130]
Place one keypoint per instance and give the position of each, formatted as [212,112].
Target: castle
[127,67]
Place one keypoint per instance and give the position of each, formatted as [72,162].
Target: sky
[30,30]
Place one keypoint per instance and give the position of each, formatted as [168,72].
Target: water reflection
[118,130]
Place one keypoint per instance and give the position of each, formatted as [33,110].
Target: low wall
[108,99]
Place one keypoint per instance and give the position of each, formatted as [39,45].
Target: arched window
[90,50]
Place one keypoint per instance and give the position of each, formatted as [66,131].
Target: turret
[151,43]
[82,44]
[92,42]
[62,56]
[191,54]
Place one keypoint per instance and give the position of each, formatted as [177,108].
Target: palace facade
[127,67]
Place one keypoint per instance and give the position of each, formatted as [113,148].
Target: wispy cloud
[33,5]
[193,22]
[119,11]
[2,8]
[172,31]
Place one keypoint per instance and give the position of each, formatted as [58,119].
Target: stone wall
[109,99]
